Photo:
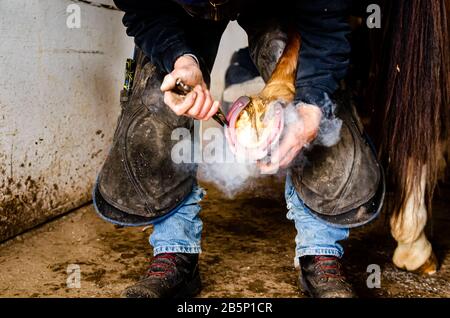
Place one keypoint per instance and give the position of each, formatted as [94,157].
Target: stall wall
[59,89]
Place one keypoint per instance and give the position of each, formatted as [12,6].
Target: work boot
[170,275]
[321,277]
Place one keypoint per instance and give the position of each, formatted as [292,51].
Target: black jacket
[164,31]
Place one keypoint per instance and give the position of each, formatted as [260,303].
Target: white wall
[59,91]
[233,39]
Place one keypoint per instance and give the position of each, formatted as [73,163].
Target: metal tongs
[183,89]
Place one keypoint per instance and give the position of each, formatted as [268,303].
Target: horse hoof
[429,267]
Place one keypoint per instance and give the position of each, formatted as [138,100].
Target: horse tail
[410,94]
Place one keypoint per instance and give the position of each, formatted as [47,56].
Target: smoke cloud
[233,175]
[330,126]
[222,168]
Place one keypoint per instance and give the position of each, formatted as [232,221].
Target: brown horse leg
[414,251]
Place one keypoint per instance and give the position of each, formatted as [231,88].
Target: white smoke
[221,167]
[330,127]
[237,174]
[233,175]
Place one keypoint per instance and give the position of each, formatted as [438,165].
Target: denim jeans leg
[181,231]
[313,236]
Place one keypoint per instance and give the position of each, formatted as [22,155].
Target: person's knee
[266,48]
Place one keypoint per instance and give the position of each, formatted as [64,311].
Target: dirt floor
[248,252]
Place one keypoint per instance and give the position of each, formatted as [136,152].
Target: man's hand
[199,103]
[298,134]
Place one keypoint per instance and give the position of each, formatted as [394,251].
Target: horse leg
[414,251]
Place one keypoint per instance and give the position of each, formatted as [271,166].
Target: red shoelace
[329,266]
[162,265]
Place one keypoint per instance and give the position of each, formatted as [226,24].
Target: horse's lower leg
[414,251]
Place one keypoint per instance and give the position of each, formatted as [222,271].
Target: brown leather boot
[170,275]
[321,277]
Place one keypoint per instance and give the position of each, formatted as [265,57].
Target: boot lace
[162,265]
[328,267]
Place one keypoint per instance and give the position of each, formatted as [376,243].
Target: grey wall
[59,91]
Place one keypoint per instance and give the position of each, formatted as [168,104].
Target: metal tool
[183,89]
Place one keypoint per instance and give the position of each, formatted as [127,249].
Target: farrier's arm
[157,30]
[324,55]
[323,62]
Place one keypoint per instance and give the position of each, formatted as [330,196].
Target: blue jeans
[181,231]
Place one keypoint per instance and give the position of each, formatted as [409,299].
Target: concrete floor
[248,252]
